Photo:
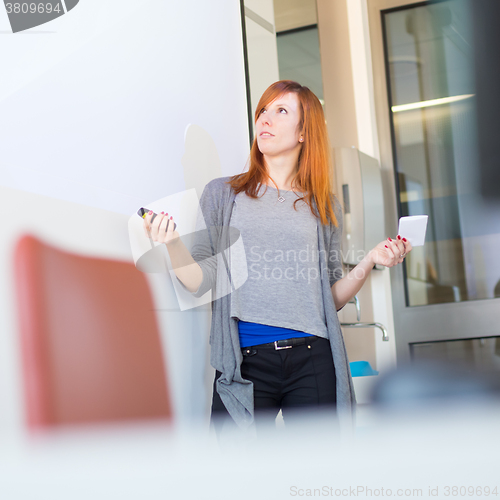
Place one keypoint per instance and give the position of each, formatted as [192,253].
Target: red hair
[314,176]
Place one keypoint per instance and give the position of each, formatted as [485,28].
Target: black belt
[281,344]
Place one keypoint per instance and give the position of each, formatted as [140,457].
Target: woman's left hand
[390,252]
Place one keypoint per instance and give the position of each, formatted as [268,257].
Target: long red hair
[314,175]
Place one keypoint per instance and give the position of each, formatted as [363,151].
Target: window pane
[478,354]
[431,93]
[299,58]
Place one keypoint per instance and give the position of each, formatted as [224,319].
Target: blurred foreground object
[89,337]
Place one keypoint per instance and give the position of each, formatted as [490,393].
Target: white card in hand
[413,229]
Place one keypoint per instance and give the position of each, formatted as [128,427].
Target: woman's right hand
[161,229]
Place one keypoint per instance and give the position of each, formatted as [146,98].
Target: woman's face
[277,127]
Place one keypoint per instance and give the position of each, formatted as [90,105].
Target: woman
[276,341]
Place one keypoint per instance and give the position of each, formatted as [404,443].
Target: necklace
[281,198]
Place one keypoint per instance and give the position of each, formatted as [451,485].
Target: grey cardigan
[210,251]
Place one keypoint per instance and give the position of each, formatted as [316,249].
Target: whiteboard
[95,105]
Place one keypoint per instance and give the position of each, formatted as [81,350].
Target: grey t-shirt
[217,203]
[283,287]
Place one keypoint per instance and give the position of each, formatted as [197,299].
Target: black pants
[299,378]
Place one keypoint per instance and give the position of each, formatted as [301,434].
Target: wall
[103,110]
[350,114]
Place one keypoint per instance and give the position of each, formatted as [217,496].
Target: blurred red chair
[90,342]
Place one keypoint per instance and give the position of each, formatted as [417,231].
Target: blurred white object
[412,454]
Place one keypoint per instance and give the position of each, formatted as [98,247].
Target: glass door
[449,287]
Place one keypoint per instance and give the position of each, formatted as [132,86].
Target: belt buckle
[284,347]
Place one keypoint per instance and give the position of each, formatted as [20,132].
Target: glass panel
[299,58]
[480,354]
[431,94]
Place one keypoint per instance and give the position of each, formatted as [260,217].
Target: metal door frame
[460,320]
